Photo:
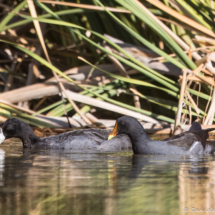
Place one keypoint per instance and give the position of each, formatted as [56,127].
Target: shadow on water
[55,182]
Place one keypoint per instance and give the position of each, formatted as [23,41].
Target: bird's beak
[114,132]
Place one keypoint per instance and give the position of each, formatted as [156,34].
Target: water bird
[191,142]
[84,139]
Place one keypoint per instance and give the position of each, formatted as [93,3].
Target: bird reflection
[138,162]
[2,157]
[198,170]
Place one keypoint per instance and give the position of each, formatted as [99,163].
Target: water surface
[54,182]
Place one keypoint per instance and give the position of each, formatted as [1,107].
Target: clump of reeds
[62,62]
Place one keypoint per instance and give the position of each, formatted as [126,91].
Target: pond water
[54,182]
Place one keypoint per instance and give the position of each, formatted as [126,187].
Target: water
[52,182]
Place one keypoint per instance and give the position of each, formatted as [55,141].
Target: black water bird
[191,142]
[84,139]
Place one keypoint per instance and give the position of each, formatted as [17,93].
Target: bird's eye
[122,123]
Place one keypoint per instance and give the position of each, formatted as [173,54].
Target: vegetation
[76,58]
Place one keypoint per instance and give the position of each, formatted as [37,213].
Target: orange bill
[114,132]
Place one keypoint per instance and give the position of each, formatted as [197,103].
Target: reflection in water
[2,155]
[55,182]
[197,186]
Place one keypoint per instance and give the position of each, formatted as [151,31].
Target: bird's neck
[29,140]
[140,142]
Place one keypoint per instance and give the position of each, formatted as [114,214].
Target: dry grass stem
[181,99]
[124,73]
[39,33]
[85,6]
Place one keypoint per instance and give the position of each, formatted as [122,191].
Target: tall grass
[74,35]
